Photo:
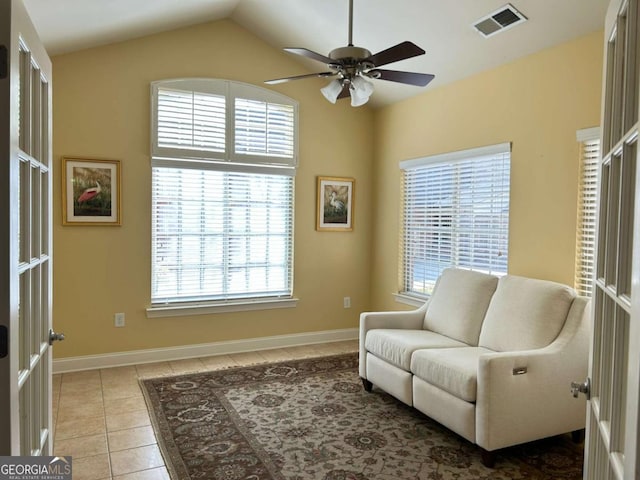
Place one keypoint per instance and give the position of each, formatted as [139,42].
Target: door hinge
[4,341]
[4,62]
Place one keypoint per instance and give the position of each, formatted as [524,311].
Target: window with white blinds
[221,235]
[223,166]
[191,120]
[455,214]
[587,197]
[263,128]
[223,121]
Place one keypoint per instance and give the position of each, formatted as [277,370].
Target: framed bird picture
[335,204]
[90,191]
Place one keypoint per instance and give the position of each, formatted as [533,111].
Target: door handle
[577,388]
[55,337]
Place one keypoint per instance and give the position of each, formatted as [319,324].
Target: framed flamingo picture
[90,191]
[335,204]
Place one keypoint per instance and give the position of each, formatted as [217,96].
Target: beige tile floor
[101,419]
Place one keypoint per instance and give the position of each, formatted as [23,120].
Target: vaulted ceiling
[443,28]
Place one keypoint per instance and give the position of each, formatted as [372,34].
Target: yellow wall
[537,103]
[101,110]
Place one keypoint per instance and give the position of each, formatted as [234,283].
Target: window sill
[409,299]
[226,307]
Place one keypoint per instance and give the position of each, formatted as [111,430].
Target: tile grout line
[54,415]
[106,430]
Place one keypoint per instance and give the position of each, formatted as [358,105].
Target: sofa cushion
[525,313]
[458,304]
[396,346]
[454,370]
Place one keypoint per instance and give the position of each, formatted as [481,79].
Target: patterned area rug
[311,419]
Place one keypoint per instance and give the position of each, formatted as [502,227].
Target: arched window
[224,157]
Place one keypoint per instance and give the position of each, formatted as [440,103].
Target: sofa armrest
[525,395]
[407,320]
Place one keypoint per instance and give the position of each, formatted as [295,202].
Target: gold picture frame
[91,192]
[335,206]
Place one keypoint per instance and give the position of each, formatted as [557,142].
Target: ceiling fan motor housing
[351,60]
[343,53]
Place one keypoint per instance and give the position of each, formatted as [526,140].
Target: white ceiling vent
[499,21]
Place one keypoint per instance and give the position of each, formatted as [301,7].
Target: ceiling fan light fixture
[354,66]
[332,90]
[360,90]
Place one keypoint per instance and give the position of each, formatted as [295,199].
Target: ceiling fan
[353,66]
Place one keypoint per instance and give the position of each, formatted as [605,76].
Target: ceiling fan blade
[310,54]
[396,53]
[300,77]
[411,78]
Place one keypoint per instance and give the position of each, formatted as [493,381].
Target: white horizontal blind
[223,121]
[191,120]
[455,214]
[586,233]
[223,157]
[264,128]
[220,235]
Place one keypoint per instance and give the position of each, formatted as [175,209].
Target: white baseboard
[120,359]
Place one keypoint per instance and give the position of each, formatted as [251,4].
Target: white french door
[611,449]
[25,236]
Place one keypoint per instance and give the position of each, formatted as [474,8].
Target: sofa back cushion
[525,313]
[458,304]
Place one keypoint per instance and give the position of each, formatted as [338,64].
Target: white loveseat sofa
[490,358]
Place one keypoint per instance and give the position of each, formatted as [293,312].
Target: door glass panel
[25,64]
[607,141]
[36,219]
[44,122]
[613,206]
[620,363]
[631,73]
[36,112]
[625,250]
[36,310]
[44,214]
[20,210]
[598,457]
[618,79]
[35,419]
[44,433]
[605,174]
[597,345]
[25,407]
[25,209]
[24,318]
[606,360]
[44,301]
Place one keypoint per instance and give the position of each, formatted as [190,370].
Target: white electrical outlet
[119,319]
[347,302]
